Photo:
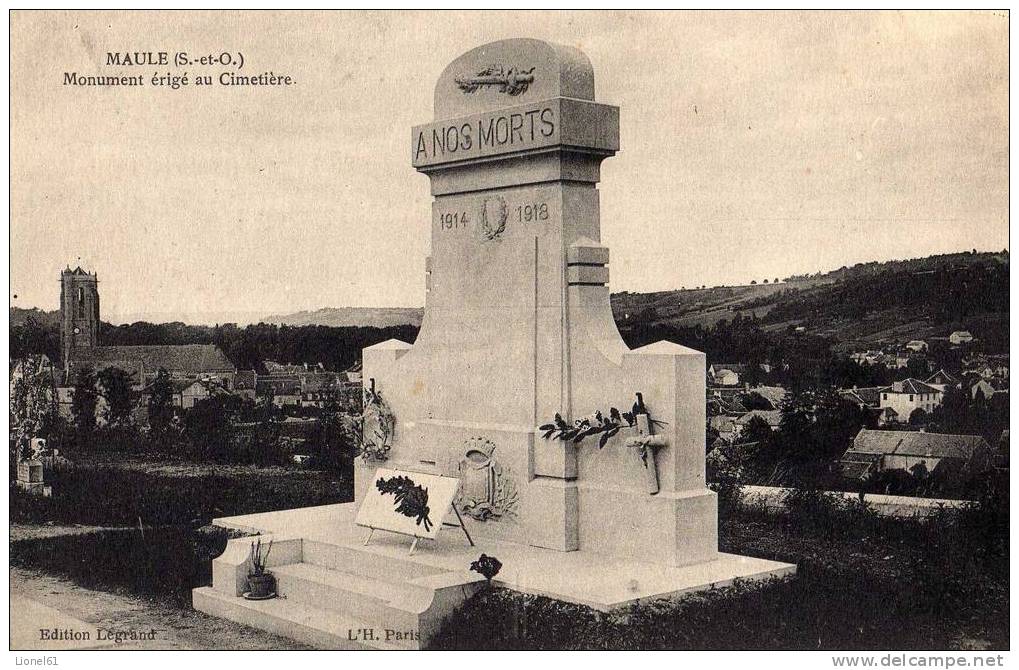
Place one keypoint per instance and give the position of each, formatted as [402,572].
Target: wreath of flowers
[374,442]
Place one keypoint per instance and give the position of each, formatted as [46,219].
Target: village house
[31,366]
[245,384]
[986,366]
[875,451]
[863,396]
[284,391]
[186,393]
[989,388]
[725,426]
[960,337]
[726,374]
[719,406]
[869,357]
[319,393]
[916,345]
[909,395]
[999,364]
[770,417]
[353,373]
[941,380]
[869,398]
[774,395]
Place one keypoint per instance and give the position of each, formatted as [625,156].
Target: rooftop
[913,386]
[913,443]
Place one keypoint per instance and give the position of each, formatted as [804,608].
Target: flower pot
[261,586]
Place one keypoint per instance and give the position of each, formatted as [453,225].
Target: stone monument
[518,326]
[579,463]
[31,478]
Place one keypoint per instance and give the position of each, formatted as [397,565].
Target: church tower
[79,312]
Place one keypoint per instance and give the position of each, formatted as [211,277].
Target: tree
[796,420]
[115,385]
[161,402]
[84,400]
[917,367]
[836,423]
[33,413]
[332,445]
[755,400]
[918,417]
[757,430]
[208,430]
[266,443]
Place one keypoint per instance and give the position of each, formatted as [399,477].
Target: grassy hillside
[380,317]
[865,305]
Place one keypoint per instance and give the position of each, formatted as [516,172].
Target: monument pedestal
[332,586]
[517,333]
[30,478]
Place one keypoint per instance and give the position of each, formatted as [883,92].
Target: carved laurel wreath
[489,229]
[510,81]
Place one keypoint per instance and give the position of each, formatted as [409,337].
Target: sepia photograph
[487,330]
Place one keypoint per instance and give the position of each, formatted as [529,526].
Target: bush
[823,607]
[105,495]
[829,512]
[863,582]
[730,494]
[162,562]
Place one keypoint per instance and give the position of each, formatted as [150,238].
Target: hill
[20,317]
[853,307]
[799,318]
[375,317]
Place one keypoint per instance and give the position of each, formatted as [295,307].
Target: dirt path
[177,628]
[22,531]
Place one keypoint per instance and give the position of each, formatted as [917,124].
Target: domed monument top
[513,99]
[512,72]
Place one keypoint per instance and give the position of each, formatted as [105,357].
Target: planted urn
[261,582]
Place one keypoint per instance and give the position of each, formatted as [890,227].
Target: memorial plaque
[408,503]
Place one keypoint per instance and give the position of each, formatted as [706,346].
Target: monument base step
[335,588]
[316,627]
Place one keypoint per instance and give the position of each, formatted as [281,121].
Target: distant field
[865,305]
[118,490]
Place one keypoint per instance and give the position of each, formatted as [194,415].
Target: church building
[80,347]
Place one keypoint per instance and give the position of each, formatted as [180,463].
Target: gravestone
[518,327]
[31,470]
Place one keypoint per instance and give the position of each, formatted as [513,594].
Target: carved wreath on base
[487,491]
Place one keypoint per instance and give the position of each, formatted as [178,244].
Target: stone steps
[378,603]
[320,628]
[335,596]
[362,561]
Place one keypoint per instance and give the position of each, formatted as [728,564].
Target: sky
[753,145]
